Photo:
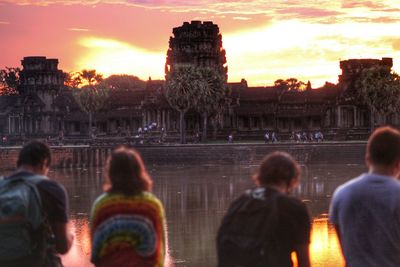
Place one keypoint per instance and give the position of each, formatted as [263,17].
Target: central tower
[199,44]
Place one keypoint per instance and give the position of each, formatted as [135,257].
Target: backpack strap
[38,223]
[31,181]
[246,235]
[48,240]
[271,197]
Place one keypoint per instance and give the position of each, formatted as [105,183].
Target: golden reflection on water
[194,208]
[79,254]
[325,249]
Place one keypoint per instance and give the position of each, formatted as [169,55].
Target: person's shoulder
[293,211]
[393,183]
[51,186]
[290,202]
[103,197]
[150,197]
[100,201]
[248,194]
[152,202]
[348,186]
[53,193]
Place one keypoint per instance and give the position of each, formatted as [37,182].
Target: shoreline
[242,153]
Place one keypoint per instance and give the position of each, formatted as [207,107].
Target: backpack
[245,236]
[21,217]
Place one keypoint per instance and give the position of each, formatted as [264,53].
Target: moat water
[195,199]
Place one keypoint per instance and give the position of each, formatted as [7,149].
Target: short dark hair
[126,172]
[384,146]
[276,168]
[35,153]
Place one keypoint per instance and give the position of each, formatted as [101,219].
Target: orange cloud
[241,18]
[264,40]
[394,42]
[308,12]
[365,4]
[78,30]
[109,56]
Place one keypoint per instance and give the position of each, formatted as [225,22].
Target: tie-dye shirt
[128,230]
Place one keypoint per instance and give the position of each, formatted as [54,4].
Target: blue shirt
[367,212]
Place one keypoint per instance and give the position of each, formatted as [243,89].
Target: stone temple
[198,44]
[33,111]
[46,107]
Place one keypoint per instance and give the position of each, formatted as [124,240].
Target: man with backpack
[265,225]
[33,212]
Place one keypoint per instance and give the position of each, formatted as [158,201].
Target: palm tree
[9,81]
[182,92]
[82,78]
[91,77]
[213,93]
[91,98]
[124,82]
[379,89]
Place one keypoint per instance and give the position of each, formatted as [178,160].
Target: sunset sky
[264,40]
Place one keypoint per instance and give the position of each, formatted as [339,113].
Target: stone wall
[85,156]
[338,153]
[8,158]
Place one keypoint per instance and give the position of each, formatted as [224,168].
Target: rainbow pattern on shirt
[135,222]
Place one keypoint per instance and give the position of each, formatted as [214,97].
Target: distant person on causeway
[265,225]
[366,209]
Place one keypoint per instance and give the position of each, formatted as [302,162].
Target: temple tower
[352,68]
[196,43]
[41,82]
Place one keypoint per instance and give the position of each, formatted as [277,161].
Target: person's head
[36,157]
[278,169]
[126,172]
[383,150]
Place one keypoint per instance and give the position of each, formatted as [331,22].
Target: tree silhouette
[213,95]
[124,82]
[91,98]
[295,85]
[182,92]
[83,78]
[379,89]
[9,81]
[284,86]
[290,84]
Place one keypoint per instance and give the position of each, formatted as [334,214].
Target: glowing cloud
[241,18]
[78,30]
[264,40]
[305,50]
[110,56]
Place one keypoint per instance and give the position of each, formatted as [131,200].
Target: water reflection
[195,199]
[79,255]
[325,250]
